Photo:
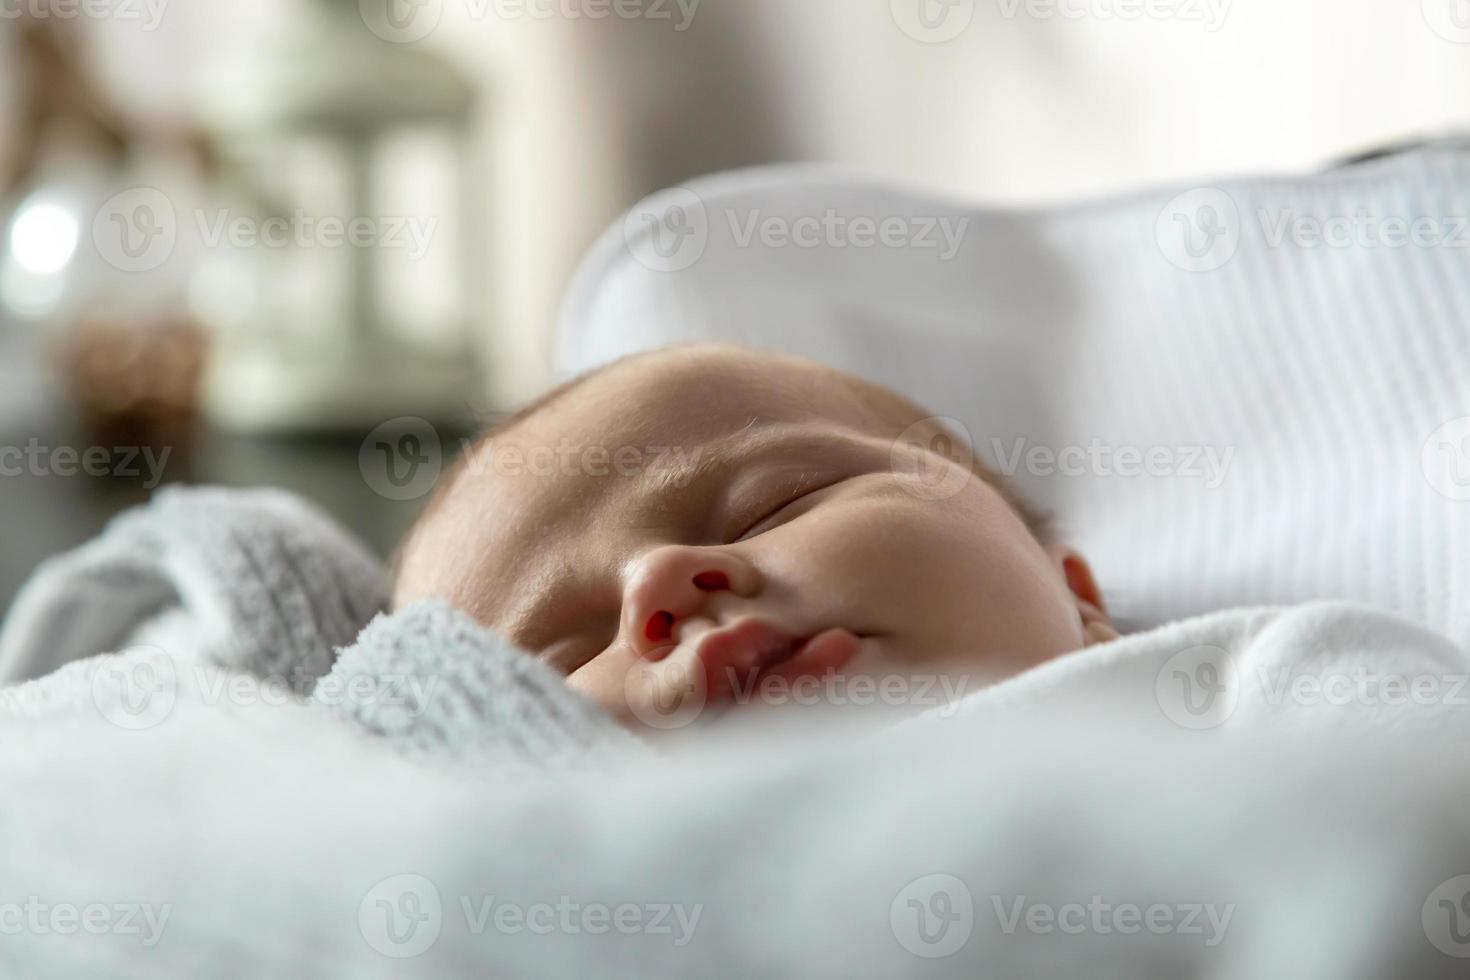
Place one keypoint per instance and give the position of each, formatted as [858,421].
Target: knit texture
[206,582]
[269,586]
[436,684]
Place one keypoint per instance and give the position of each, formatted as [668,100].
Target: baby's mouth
[738,657]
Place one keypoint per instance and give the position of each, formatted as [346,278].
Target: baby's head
[727,516]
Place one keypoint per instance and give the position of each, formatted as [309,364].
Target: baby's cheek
[962,573]
[605,680]
[864,554]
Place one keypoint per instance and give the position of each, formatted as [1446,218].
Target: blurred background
[250,243]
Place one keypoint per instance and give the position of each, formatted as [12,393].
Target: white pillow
[1331,382]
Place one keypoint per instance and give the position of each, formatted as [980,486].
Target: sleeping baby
[694,538]
[737,526]
[697,531]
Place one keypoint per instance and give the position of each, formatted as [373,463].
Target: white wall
[584,116]
[590,115]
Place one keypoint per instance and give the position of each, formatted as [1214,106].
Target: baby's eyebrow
[678,468]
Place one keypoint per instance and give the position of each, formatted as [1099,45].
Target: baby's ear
[1091,609]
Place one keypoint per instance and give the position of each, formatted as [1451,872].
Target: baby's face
[730,527]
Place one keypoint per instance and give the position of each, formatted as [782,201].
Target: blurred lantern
[340,277]
[129,356]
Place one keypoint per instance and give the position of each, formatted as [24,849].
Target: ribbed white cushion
[1331,372]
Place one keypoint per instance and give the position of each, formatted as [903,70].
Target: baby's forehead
[547,483]
[690,396]
[643,427]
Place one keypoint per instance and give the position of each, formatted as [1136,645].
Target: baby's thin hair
[890,407]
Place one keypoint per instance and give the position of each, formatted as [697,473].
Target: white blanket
[1254,793]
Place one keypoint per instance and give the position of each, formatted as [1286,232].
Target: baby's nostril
[660,626]
[711,581]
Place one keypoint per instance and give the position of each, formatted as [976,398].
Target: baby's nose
[675,582]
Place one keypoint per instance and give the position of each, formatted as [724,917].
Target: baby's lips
[736,656]
[828,651]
